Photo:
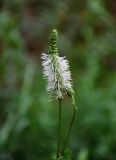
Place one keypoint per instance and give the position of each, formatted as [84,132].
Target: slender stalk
[59,131]
[71,122]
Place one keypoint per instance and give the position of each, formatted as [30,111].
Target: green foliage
[28,121]
[67,155]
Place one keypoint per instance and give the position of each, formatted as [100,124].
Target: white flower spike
[56,71]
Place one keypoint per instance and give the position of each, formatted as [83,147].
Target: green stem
[71,122]
[59,132]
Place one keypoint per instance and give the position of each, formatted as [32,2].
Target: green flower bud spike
[53,42]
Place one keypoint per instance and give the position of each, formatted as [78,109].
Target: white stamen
[56,72]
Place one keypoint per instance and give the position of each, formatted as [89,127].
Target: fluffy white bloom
[56,72]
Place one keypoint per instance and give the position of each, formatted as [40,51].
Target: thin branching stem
[71,122]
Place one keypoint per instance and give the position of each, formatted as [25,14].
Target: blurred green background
[87,36]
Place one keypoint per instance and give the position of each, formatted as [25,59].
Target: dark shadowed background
[87,37]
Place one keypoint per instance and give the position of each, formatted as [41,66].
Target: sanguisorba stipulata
[59,82]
